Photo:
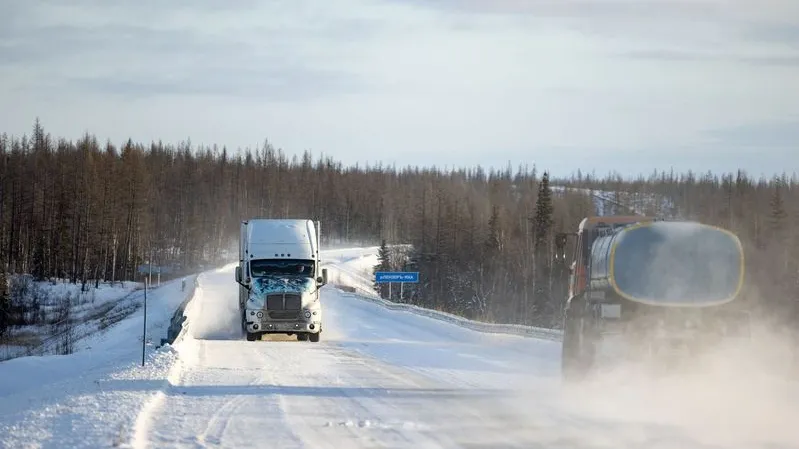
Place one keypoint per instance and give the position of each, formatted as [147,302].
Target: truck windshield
[281,267]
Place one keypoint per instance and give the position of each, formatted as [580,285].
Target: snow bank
[87,399]
[213,313]
[479,326]
[350,271]
[89,311]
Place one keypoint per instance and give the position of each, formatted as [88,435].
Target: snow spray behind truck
[280,277]
[658,291]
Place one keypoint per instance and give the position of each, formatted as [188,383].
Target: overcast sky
[601,85]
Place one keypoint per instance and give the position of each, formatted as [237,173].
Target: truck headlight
[307,314]
[259,314]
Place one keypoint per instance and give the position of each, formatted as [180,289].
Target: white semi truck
[280,277]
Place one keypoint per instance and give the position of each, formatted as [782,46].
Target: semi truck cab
[280,278]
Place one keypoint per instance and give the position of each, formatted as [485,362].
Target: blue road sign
[397,276]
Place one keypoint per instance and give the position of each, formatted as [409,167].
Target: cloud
[777,134]
[567,83]
[693,56]
[782,34]
[103,53]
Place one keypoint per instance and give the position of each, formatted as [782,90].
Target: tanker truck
[280,277]
[647,290]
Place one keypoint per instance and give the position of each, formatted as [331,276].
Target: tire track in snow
[142,425]
[359,415]
[219,421]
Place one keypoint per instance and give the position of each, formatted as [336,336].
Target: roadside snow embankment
[56,314]
[479,326]
[350,270]
[87,399]
[216,319]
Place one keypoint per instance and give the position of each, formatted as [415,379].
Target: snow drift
[213,313]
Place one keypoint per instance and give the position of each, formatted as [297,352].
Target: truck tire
[314,337]
[251,336]
[302,336]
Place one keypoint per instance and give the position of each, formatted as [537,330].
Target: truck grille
[275,302]
[284,314]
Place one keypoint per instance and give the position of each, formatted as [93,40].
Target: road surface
[384,379]
[378,379]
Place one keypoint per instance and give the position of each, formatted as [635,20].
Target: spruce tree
[778,213]
[493,243]
[542,222]
[542,227]
[384,264]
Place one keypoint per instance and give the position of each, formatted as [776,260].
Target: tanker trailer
[650,290]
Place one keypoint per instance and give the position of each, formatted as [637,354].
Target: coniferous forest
[91,211]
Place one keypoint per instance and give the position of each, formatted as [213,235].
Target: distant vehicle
[653,290]
[280,277]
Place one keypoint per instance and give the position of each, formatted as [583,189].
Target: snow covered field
[378,378]
[89,398]
[89,311]
[623,203]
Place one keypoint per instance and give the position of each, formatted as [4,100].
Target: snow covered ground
[378,378]
[623,203]
[89,398]
[89,311]
[351,268]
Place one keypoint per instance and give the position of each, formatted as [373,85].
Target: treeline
[91,211]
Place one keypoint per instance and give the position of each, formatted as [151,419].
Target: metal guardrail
[479,326]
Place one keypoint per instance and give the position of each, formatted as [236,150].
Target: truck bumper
[283,326]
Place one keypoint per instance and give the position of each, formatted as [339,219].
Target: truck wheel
[314,337]
[251,336]
[302,336]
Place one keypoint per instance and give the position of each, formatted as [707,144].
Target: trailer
[649,290]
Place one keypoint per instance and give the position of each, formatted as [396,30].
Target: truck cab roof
[279,238]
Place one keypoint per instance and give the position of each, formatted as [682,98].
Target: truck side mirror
[323,278]
[238,275]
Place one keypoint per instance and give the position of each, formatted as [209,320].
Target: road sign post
[402,277]
[144,326]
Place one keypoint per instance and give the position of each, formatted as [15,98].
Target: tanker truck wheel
[577,355]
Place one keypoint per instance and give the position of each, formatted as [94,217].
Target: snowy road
[390,379]
[378,379]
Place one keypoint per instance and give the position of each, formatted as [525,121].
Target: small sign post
[144,330]
[402,277]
